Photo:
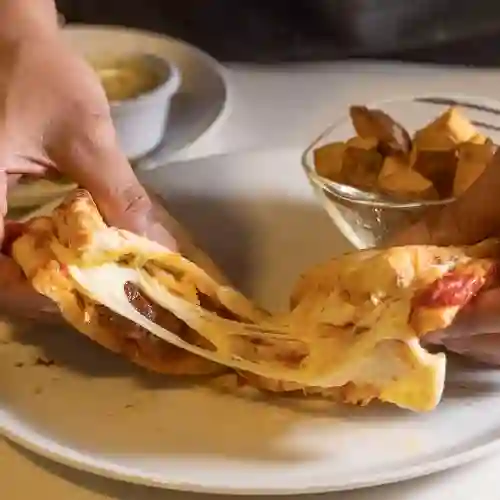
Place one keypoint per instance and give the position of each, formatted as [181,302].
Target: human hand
[54,117]
[470,219]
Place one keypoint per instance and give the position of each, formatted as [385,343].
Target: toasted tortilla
[353,330]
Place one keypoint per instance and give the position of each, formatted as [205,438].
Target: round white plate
[256,215]
[201,99]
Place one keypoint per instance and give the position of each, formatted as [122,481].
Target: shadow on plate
[274,239]
[467,379]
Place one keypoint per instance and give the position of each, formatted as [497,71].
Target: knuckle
[136,202]
[134,210]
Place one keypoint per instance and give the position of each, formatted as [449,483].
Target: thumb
[100,167]
[469,219]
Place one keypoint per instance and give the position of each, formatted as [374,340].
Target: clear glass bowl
[367,223]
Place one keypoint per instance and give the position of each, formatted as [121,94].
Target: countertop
[283,107]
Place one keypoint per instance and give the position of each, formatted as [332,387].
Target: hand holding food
[471,218]
[56,121]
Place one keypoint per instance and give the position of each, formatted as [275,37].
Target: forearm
[27,18]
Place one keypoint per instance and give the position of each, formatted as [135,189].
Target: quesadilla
[353,329]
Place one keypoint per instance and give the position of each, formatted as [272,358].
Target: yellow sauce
[128,78]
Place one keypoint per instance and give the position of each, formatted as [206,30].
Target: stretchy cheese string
[320,367]
[302,347]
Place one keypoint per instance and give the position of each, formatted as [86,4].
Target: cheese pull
[272,349]
[351,325]
[105,285]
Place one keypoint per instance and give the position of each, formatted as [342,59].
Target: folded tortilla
[353,331]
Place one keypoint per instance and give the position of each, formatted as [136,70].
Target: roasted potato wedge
[393,137]
[393,164]
[479,139]
[398,180]
[363,142]
[361,167]
[328,160]
[408,184]
[443,159]
[446,132]
[439,167]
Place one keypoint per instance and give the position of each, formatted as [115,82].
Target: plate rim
[81,461]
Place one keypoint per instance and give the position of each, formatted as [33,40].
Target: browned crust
[398,270]
[395,271]
[75,222]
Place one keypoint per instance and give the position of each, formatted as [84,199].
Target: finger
[27,165]
[97,164]
[471,218]
[481,316]
[484,348]
[18,298]
[11,171]
[50,174]
[16,163]
[12,180]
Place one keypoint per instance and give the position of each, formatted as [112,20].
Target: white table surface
[279,107]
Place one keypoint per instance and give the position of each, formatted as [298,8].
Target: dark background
[270,31]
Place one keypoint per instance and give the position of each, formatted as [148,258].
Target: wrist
[22,19]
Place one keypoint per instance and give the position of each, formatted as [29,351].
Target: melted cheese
[386,354]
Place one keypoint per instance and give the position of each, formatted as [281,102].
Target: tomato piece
[456,288]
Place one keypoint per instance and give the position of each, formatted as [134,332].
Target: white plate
[255,213]
[201,99]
